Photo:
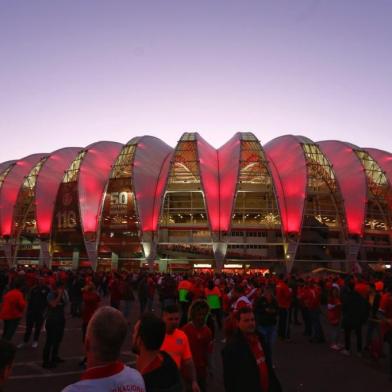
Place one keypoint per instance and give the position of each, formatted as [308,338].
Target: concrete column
[8,253]
[75,259]
[114,261]
[352,251]
[290,251]
[220,249]
[92,253]
[150,244]
[45,257]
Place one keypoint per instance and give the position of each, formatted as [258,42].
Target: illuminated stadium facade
[291,202]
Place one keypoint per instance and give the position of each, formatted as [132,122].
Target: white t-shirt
[126,380]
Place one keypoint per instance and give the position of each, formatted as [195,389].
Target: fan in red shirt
[12,308]
[313,302]
[115,292]
[31,278]
[91,301]
[283,297]
[362,288]
[200,339]
[176,344]
[385,310]
[198,289]
[304,298]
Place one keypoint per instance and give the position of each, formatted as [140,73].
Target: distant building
[291,202]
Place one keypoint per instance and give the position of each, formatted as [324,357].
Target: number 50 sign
[119,198]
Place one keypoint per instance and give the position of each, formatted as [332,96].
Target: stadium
[288,203]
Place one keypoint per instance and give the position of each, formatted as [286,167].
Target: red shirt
[198,292]
[115,292]
[200,341]
[386,309]
[177,346]
[334,310]
[91,301]
[301,291]
[306,297]
[314,298]
[31,278]
[363,289]
[386,305]
[340,282]
[186,285]
[225,302]
[13,305]
[283,295]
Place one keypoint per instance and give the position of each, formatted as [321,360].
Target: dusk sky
[76,72]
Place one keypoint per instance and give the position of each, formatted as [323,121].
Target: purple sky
[76,72]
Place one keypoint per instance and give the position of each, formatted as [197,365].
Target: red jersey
[314,298]
[225,303]
[114,289]
[31,279]
[177,346]
[13,305]
[334,310]
[363,289]
[198,292]
[200,341]
[386,309]
[186,285]
[91,301]
[283,295]
[306,297]
[301,295]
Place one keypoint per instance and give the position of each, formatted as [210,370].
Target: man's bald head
[106,333]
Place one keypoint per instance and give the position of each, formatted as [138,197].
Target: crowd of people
[174,340]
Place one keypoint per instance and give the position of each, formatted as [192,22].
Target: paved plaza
[300,365]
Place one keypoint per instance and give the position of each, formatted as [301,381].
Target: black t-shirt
[266,313]
[166,378]
[56,313]
[38,299]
